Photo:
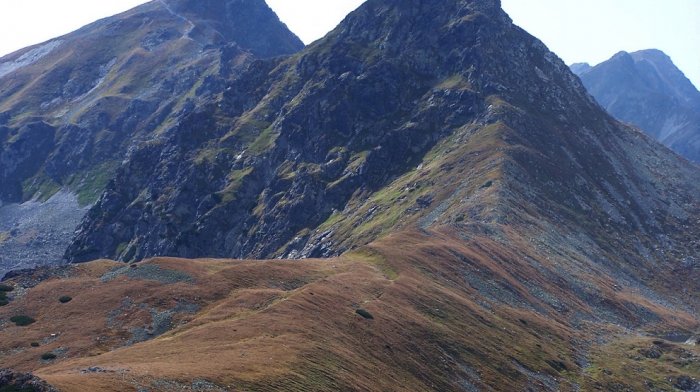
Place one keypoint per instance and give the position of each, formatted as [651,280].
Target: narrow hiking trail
[190,24]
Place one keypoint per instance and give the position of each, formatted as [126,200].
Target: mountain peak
[623,57]
[363,105]
[250,23]
[104,88]
[651,54]
[426,17]
[666,69]
[646,88]
[580,68]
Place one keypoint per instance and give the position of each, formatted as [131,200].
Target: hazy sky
[591,30]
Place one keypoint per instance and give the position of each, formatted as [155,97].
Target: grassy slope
[291,325]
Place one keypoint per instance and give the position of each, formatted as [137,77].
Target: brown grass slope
[448,314]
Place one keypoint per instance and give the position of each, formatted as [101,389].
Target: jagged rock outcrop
[646,89]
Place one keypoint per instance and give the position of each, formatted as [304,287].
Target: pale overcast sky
[590,31]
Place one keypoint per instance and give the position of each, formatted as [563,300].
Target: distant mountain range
[646,89]
[426,199]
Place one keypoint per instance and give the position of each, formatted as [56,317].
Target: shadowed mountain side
[72,108]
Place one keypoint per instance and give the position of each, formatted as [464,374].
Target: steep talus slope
[35,233]
[71,108]
[646,89]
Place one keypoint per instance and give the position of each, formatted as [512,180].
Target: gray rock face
[292,141]
[646,89]
[685,383]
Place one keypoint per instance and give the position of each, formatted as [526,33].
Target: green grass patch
[388,195]
[357,160]
[498,102]
[247,129]
[207,155]
[121,248]
[389,216]
[235,180]
[42,187]
[287,171]
[264,141]
[336,217]
[455,82]
[90,185]
[370,257]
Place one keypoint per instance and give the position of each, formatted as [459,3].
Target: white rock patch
[29,58]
